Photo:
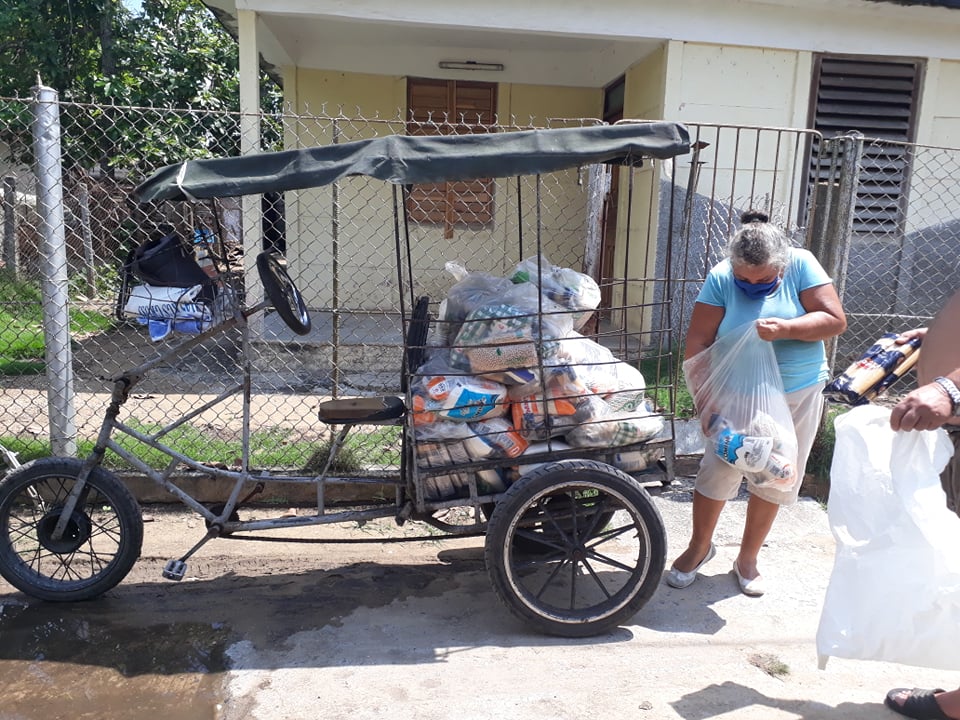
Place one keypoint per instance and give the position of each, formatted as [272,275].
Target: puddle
[60,661]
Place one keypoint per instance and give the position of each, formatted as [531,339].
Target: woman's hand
[772,328]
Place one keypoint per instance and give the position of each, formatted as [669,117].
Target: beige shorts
[719,481]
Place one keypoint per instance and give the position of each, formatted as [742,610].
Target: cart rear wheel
[283,294]
[99,545]
[601,548]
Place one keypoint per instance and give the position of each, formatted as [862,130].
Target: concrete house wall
[743,63]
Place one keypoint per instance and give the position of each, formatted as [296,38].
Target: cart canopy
[409,159]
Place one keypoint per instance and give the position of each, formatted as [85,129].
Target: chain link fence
[339,242]
[904,247]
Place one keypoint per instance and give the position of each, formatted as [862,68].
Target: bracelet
[950,388]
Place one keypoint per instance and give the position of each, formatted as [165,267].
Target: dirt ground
[371,626]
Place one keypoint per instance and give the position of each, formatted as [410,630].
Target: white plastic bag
[894,593]
[739,395]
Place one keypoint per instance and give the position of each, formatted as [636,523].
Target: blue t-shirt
[801,363]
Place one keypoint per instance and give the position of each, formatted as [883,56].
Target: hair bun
[754,216]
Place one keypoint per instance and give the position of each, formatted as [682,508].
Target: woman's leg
[760,517]
[706,512]
[716,483]
[806,407]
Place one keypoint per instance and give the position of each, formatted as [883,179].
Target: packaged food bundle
[609,428]
[498,338]
[471,291]
[497,438]
[440,393]
[878,368]
[566,287]
[453,447]
[761,450]
[563,405]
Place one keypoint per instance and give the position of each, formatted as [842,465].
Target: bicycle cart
[519,399]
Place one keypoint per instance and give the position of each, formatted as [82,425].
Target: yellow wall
[364,208]
[636,243]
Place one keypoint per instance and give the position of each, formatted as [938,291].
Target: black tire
[592,578]
[101,543]
[283,294]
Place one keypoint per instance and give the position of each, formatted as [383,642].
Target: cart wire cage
[408,287]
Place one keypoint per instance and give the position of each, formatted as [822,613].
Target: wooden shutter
[879,99]
[451,107]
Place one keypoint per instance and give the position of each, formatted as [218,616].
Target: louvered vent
[877,98]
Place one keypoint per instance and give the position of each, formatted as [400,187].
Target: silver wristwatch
[950,388]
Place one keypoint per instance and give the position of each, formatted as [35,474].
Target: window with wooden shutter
[877,97]
[451,107]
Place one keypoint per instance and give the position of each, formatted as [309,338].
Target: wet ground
[369,628]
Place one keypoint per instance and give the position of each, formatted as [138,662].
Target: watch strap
[953,393]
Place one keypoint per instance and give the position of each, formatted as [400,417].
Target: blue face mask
[756,291]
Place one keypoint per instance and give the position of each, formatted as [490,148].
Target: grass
[270,448]
[821,455]
[21,325]
[657,373]
[379,447]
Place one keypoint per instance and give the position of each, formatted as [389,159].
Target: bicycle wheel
[584,578]
[100,543]
[283,294]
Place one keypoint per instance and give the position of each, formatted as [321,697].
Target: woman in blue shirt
[795,306]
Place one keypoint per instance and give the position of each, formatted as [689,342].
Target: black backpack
[165,262]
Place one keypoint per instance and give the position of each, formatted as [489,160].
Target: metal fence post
[56,315]
[835,223]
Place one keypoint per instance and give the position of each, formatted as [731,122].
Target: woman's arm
[704,323]
[824,318]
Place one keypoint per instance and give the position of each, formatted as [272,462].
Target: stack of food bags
[512,372]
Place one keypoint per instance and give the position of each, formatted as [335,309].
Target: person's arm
[704,323]
[824,318]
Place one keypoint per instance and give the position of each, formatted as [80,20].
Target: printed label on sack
[745,452]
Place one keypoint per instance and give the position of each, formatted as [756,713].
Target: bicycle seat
[384,410]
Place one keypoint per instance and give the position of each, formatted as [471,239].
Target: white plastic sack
[894,593]
[166,303]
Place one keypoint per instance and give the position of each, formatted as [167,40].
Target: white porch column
[250,143]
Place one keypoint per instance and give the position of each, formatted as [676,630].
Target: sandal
[919,704]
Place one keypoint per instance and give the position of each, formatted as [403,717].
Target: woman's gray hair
[758,242]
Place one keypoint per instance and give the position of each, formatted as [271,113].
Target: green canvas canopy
[409,159]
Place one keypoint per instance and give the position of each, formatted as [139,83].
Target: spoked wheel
[600,548]
[283,294]
[100,542]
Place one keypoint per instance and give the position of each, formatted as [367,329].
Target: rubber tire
[507,560]
[283,294]
[110,492]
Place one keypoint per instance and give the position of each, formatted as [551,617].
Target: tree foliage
[170,54]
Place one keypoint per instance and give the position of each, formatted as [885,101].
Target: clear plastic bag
[739,396]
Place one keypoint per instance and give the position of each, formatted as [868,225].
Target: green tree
[171,54]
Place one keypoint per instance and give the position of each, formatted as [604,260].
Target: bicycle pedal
[175,570]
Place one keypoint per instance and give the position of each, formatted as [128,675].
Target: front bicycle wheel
[100,541]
